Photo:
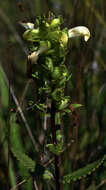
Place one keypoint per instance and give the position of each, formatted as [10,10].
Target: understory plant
[48,48]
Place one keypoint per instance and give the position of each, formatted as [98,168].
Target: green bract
[56,22]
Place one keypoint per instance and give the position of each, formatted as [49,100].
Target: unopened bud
[55,23]
[64,38]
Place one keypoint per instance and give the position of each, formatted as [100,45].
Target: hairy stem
[56,158]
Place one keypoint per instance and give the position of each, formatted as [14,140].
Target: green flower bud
[56,73]
[49,64]
[46,44]
[54,36]
[59,135]
[55,23]
[64,103]
[47,25]
[31,35]
[64,38]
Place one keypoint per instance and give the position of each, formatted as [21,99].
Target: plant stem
[56,158]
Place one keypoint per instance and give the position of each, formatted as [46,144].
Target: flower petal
[27,25]
[33,57]
[79,31]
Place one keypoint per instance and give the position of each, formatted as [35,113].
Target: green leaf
[59,135]
[3,126]
[56,22]
[83,172]
[31,35]
[57,119]
[40,107]
[55,150]
[24,159]
[3,90]
[48,64]
[15,133]
[35,75]
[64,103]
[56,73]
[76,105]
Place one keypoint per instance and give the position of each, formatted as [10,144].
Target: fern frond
[83,172]
[25,160]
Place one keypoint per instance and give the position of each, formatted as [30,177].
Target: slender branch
[102,183]
[56,158]
[35,185]
[22,182]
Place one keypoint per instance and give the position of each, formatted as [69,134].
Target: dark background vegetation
[86,62]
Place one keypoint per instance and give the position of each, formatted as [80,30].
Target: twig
[22,182]
[102,183]
[35,185]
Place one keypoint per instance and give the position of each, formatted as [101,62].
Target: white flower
[28,25]
[79,31]
[33,57]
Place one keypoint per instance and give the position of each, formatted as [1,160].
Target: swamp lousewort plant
[48,50]
[48,44]
[48,47]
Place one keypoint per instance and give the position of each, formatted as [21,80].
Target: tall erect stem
[56,158]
